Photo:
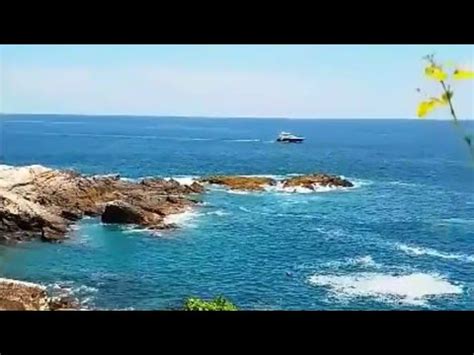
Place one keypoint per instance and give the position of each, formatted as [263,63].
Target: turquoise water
[402,238]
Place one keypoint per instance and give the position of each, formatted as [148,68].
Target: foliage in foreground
[435,71]
[217,304]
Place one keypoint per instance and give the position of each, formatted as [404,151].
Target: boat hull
[290,140]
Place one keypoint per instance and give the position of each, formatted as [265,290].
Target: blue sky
[317,81]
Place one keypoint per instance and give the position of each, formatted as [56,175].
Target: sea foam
[183,180]
[411,289]
[183,219]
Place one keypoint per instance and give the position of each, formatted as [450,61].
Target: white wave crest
[239,192]
[458,221]
[402,183]
[280,188]
[358,182]
[413,289]
[219,213]
[83,293]
[364,261]
[183,219]
[129,179]
[416,250]
[183,180]
[245,209]
[134,230]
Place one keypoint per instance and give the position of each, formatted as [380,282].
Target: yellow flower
[425,107]
[460,74]
[446,96]
[435,72]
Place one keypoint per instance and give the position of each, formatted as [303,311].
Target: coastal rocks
[26,296]
[249,183]
[41,203]
[195,187]
[254,183]
[62,303]
[18,295]
[172,186]
[316,180]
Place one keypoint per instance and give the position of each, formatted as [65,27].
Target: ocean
[402,238]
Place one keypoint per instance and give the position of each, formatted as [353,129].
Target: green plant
[217,304]
[434,71]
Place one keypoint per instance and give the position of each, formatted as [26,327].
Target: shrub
[217,304]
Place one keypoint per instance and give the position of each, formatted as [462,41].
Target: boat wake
[243,140]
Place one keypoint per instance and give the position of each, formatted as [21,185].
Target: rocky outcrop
[37,202]
[122,212]
[26,296]
[250,183]
[314,180]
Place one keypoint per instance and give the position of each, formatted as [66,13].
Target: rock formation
[37,202]
[26,296]
[315,180]
[250,183]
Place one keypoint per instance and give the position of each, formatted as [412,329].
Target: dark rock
[63,303]
[122,213]
[72,215]
[196,187]
[173,199]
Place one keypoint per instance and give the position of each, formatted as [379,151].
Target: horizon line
[224,117]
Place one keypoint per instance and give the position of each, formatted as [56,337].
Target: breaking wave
[83,293]
[183,180]
[412,289]
[219,213]
[416,250]
[363,261]
[183,219]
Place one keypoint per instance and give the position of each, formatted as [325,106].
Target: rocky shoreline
[42,203]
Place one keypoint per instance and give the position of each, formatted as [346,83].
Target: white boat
[287,137]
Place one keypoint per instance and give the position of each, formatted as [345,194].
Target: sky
[290,81]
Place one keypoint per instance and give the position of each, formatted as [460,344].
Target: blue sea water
[402,238]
